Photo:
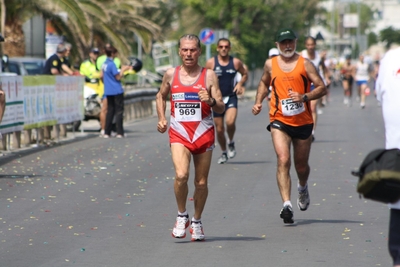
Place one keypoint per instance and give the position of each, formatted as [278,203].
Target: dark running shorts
[394,236]
[299,132]
[231,103]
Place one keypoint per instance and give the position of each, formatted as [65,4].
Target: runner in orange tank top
[291,123]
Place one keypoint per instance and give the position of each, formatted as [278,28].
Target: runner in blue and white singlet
[226,67]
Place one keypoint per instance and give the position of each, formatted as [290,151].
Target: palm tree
[124,22]
[88,22]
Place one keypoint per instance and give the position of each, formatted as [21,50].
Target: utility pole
[332,27]
[358,26]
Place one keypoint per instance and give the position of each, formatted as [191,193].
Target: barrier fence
[35,102]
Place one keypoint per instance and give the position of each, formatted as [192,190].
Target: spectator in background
[89,69]
[102,58]
[53,65]
[66,63]
[114,92]
[388,93]
[99,63]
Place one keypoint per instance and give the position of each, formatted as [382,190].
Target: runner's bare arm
[210,64]
[214,92]
[313,75]
[263,85]
[242,69]
[161,100]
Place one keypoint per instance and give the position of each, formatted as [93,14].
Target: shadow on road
[303,222]
[246,162]
[226,238]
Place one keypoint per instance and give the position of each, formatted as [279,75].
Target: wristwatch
[213,102]
[305,98]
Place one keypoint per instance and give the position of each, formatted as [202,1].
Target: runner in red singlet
[194,93]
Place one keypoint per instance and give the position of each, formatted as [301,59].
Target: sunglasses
[224,46]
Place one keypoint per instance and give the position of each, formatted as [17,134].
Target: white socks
[287,203]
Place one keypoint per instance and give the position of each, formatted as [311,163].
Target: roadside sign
[207,36]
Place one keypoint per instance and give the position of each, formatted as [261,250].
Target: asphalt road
[109,202]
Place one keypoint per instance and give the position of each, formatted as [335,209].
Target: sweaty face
[287,48]
[223,48]
[189,52]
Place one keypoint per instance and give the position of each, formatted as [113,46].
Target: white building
[386,15]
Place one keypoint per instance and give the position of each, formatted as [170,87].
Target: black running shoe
[287,215]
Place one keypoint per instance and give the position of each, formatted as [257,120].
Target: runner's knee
[181,177]
[200,184]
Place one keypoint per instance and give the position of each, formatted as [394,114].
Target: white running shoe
[223,158]
[196,229]
[231,150]
[179,231]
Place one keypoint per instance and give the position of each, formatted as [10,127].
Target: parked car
[25,65]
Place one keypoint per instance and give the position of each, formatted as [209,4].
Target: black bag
[379,176]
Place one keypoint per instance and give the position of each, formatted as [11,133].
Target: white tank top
[315,62]
[316,59]
[362,71]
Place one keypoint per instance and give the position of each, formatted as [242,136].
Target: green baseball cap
[285,34]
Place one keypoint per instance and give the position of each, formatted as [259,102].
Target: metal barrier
[138,104]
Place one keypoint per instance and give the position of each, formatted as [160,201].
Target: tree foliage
[372,38]
[254,22]
[390,36]
[87,23]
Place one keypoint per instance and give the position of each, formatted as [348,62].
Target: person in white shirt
[388,93]
[362,77]
[314,56]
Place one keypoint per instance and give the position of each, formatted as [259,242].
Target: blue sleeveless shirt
[226,76]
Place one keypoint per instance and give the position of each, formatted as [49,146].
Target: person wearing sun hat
[290,76]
